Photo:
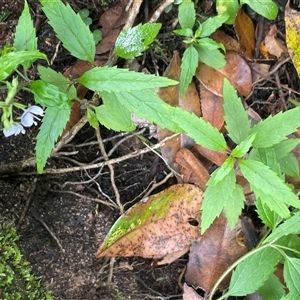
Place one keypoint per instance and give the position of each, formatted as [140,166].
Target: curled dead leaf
[274,45]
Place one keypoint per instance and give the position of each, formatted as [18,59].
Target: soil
[59,218]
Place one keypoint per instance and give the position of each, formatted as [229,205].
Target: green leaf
[290,165]
[54,122]
[114,115]
[188,67]
[70,29]
[49,95]
[272,289]
[261,263]
[229,7]
[59,80]
[266,8]
[285,147]
[212,58]
[291,274]
[290,296]
[25,35]
[201,131]
[92,118]
[184,32]
[241,149]
[210,44]
[146,104]
[223,171]
[132,41]
[290,226]
[236,118]
[11,60]
[266,184]
[186,14]
[269,217]
[274,129]
[212,24]
[111,79]
[234,205]
[216,196]
[268,157]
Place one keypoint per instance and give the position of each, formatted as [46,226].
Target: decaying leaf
[229,42]
[156,226]
[244,30]
[217,157]
[211,255]
[189,293]
[274,45]
[190,102]
[292,24]
[236,71]
[192,169]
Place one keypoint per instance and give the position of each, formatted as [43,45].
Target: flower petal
[34,109]
[27,119]
[14,129]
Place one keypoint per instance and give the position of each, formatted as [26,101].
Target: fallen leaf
[190,102]
[192,169]
[156,226]
[217,157]
[229,42]
[292,21]
[245,32]
[236,71]
[274,45]
[190,294]
[213,253]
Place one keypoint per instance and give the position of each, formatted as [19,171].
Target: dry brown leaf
[190,102]
[274,45]
[217,157]
[192,169]
[211,255]
[190,294]
[245,32]
[211,107]
[259,70]
[159,225]
[229,42]
[236,71]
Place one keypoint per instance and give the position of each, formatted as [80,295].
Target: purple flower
[14,129]
[28,116]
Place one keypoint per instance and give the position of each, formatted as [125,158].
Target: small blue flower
[28,116]
[14,129]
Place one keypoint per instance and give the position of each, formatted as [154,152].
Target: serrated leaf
[285,147]
[114,115]
[274,129]
[269,217]
[215,197]
[59,80]
[272,289]
[212,58]
[184,32]
[188,67]
[261,263]
[70,29]
[25,35]
[290,165]
[234,205]
[229,7]
[146,104]
[241,149]
[49,95]
[266,184]
[210,44]
[53,124]
[202,132]
[266,8]
[290,296]
[186,14]
[111,79]
[133,41]
[11,60]
[291,274]
[223,171]
[290,226]
[212,24]
[236,118]
[268,157]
